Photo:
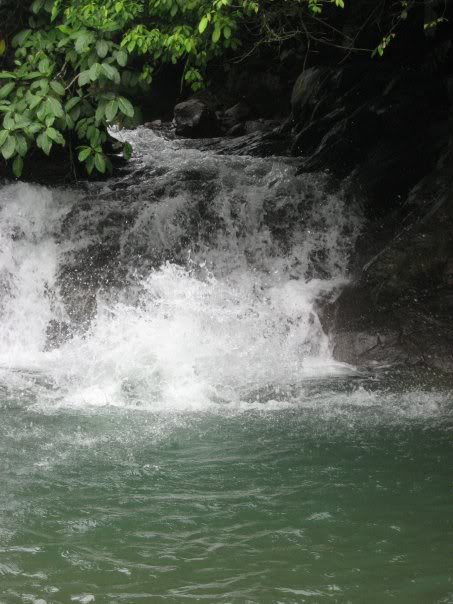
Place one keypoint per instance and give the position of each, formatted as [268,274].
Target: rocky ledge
[399,308]
[387,136]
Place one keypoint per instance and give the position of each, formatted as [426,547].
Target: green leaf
[33,75]
[83,41]
[44,143]
[7,75]
[54,107]
[21,145]
[95,71]
[34,101]
[90,164]
[3,136]
[216,34]
[21,122]
[75,113]
[100,113]
[127,151]
[21,38]
[55,11]
[102,48]
[121,58]
[111,110]
[7,89]
[9,147]
[37,6]
[44,66]
[72,103]
[203,25]
[8,122]
[84,153]
[42,84]
[99,162]
[58,88]
[18,166]
[56,136]
[84,77]
[111,72]
[34,128]
[126,107]
[93,135]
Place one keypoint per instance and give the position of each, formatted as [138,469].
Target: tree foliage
[74,67]
[77,64]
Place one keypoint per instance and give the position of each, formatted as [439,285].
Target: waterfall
[191,279]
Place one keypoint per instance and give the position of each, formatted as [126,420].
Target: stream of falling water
[174,426]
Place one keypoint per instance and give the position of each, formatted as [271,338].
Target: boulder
[261,125]
[236,130]
[263,88]
[385,125]
[235,115]
[398,309]
[155,124]
[311,87]
[195,119]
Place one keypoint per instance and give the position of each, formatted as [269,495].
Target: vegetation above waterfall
[76,64]
[73,68]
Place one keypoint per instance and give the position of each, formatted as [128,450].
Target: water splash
[194,281]
[29,258]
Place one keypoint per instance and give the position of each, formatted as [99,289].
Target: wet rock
[235,115]
[262,87]
[385,124]
[364,348]
[154,124]
[313,86]
[406,286]
[236,130]
[57,333]
[257,144]
[261,125]
[194,119]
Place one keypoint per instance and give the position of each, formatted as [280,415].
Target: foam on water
[190,342]
[213,308]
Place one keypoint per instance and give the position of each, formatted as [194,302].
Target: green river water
[339,491]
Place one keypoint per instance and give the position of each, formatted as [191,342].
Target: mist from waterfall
[194,279]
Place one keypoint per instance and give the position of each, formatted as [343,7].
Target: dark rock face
[388,132]
[383,122]
[314,85]
[253,97]
[399,308]
[264,89]
[235,115]
[261,126]
[195,119]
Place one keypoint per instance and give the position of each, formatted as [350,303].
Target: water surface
[173,425]
[338,491]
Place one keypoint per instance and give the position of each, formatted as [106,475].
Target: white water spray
[217,264]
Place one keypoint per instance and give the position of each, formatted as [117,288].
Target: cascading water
[191,281]
[173,425]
